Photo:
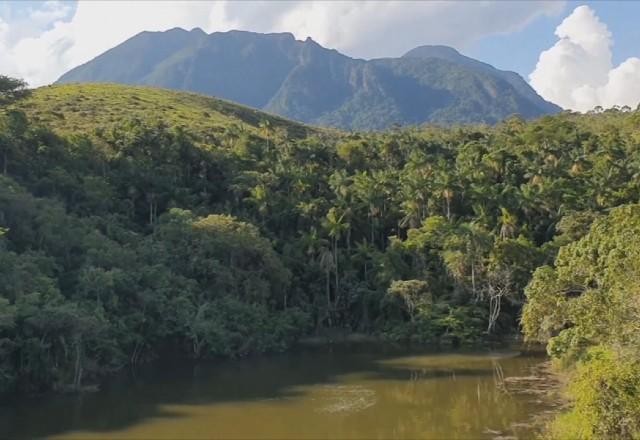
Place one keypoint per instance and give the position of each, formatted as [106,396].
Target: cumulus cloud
[577,72]
[359,28]
[95,27]
[32,20]
[371,29]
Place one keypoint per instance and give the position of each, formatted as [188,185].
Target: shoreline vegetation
[135,220]
[547,384]
[587,308]
[339,337]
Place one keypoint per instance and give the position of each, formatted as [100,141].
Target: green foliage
[12,89]
[605,389]
[588,309]
[212,284]
[149,227]
[592,294]
[414,294]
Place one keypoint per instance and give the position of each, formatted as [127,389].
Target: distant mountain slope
[304,81]
[452,55]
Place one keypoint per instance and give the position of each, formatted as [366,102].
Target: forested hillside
[138,222]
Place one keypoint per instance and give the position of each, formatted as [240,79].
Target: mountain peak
[174,30]
[253,35]
[198,31]
[433,51]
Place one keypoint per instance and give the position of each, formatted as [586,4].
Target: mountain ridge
[305,81]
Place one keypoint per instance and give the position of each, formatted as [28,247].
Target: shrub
[605,389]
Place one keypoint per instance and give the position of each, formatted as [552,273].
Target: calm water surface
[319,394]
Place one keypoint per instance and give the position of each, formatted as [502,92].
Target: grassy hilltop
[84,108]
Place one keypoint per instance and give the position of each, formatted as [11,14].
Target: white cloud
[378,29]
[95,27]
[33,21]
[577,72]
[57,42]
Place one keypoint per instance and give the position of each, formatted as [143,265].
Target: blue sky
[596,62]
[519,51]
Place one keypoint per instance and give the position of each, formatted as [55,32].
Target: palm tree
[266,131]
[446,187]
[448,194]
[364,253]
[232,134]
[477,243]
[412,214]
[326,261]
[335,226]
[508,223]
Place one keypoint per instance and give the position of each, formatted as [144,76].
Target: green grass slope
[85,108]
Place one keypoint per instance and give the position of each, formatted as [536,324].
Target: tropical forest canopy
[139,222]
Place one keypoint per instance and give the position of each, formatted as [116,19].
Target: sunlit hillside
[85,108]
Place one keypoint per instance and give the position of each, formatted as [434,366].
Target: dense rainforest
[137,222]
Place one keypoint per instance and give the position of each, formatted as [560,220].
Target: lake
[323,393]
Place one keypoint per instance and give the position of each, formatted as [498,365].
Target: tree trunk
[364,325]
[473,278]
[337,276]
[328,287]
[372,229]
[77,377]
[152,209]
[196,346]
[494,311]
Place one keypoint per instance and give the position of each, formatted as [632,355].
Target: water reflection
[313,395]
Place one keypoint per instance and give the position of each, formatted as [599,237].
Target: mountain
[515,80]
[304,81]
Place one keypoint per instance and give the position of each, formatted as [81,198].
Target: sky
[576,54]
